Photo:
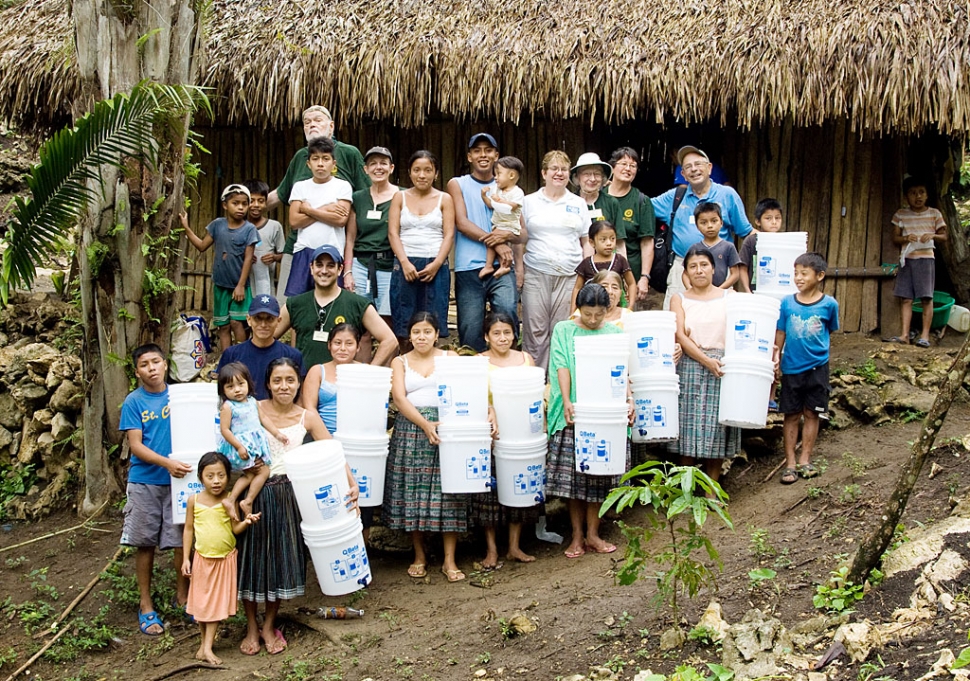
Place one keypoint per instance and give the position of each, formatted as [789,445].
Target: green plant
[624,619]
[16,562]
[615,664]
[953,485]
[838,594]
[508,629]
[868,371]
[86,636]
[484,658]
[8,657]
[854,464]
[899,537]
[963,659]
[681,497]
[850,493]
[760,575]
[821,463]
[782,561]
[838,527]
[910,415]
[876,577]
[814,492]
[15,481]
[760,547]
[703,635]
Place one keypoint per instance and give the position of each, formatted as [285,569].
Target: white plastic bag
[190,341]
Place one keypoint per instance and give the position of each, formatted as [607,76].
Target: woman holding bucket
[613,284]
[272,561]
[701,322]
[485,509]
[320,385]
[584,492]
[413,500]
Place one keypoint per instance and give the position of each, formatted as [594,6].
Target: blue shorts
[300,279]
[419,296]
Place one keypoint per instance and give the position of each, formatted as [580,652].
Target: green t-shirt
[635,213]
[563,356]
[306,317]
[350,167]
[371,234]
[609,210]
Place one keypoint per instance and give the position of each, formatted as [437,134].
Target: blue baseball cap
[264,303]
[479,136]
[332,251]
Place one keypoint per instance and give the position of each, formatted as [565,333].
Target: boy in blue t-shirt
[807,319]
[148,512]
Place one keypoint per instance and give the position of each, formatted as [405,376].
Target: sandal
[575,554]
[276,646]
[922,343]
[789,476]
[150,619]
[807,471]
[453,575]
[897,339]
[248,647]
[607,548]
[417,570]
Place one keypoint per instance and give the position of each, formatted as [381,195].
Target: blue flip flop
[181,611]
[147,619]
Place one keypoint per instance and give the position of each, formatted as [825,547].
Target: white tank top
[422,391]
[421,235]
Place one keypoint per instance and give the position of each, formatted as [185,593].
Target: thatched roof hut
[885,66]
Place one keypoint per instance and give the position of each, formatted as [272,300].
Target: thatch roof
[886,66]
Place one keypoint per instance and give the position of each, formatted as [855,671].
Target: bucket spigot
[491,483]
[363,581]
[583,466]
[540,498]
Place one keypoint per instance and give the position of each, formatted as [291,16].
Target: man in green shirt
[317,123]
[313,314]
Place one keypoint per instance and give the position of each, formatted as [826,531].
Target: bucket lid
[649,318]
[340,526]
[463,428]
[363,371]
[521,374]
[538,444]
[654,380]
[594,409]
[735,361]
[600,341]
[193,390]
[349,439]
[747,301]
[322,453]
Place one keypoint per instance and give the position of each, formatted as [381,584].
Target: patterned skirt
[701,436]
[484,510]
[562,478]
[412,489]
[272,559]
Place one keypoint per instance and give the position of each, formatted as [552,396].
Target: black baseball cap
[479,136]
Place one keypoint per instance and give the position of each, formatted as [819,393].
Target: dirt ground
[430,629]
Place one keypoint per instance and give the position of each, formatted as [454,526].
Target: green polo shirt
[635,214]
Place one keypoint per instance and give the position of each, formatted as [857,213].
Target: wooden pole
[38,654]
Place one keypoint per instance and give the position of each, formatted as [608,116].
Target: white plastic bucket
[462,388]
[752,319]
[652,337]
[367,457]
[193,416]
[187,485]
[601,439]
[601,369]
[656,410]
[775,265]
[339,556]
[745,391]
[959,319]
[520,472]
[318,473]
[517,398]
[362,394]
[465,456]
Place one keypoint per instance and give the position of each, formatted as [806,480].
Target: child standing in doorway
[269,250]
[707,218]
[916,228]
[768,218]
[235,240]
[212,572]
[505,200]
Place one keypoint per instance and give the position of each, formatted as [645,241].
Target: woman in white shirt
[554,227]
[421,231]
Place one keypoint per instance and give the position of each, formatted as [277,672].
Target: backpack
[190,343]
[663,251]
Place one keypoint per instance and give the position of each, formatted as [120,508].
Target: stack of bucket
[465,450]
[194,419]
[362,392]
[776,262]
[749,370]
[332,532]
[601,403]
[520,451]
[653,375]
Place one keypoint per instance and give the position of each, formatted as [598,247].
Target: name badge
[572,209]
[596,214]
[374,215]
[321,336]
[692,220]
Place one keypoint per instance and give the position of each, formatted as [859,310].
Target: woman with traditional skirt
[485,509]
[413,500]
[272,561]
[584,492]
[701,324]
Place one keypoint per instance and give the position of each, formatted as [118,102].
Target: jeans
[471,294]
[418,296]
[362,284]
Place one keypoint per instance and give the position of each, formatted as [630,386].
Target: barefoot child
[806,322]
[707,218]
[506,204]
[212,589]
[602,234]
[243,431]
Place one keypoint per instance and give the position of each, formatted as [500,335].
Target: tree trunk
[873,546]
[126,240]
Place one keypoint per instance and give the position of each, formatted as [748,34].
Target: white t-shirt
[271,240]
[555,227]
[319,194]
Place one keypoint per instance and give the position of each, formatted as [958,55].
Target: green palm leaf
[69,174]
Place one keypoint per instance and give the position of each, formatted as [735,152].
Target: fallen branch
[774,470]
[37,655]
[80,596]
[187,667]
[54,534]
[795,505]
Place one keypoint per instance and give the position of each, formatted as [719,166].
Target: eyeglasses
[692,166]
[557,169]
[627,164]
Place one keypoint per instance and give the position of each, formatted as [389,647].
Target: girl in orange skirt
[212,591]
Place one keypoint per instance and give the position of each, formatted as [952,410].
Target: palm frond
[70,172]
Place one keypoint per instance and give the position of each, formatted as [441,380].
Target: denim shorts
[419,296]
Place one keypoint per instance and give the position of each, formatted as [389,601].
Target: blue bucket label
[530,481]
[477,466]
[327,502]
[194,487]
[352,563]
[535,417]
[592,448]
[444,396]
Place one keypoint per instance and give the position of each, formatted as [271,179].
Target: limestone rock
[908,373]
[575,677]
[61,427]
[41,419]
[672,639]
[522,624]
[6,437]
[929,380]
[64,368]
[11,415]
[27,393]
[67,398]
[859,638]
[946,568]
[711,619]
[808,632]
[753,646]
[901,398]
[602,674]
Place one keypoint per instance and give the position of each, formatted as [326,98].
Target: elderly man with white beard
[317,123]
